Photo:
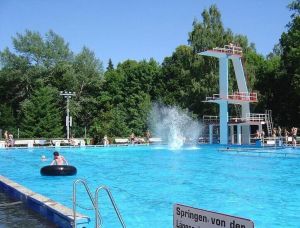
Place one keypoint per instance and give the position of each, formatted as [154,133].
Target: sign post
[68,96]
[185,216]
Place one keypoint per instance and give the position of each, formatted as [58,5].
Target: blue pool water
[146,181]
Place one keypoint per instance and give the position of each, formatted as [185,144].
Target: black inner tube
[58,170]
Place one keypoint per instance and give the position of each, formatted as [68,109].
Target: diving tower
[241,97]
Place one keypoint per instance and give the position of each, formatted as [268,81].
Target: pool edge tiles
[53,211]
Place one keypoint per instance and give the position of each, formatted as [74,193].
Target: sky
[139,29]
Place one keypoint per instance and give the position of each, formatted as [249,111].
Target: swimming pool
[146,181]
[15,214]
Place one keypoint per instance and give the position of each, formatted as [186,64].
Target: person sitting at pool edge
[58,159]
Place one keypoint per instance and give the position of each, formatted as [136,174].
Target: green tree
[110,65]
[35,62]
[15,81]
[138,81]
[278,77]
[41,115]
[210,32]
[288,95]
[7,119]
[110,118]
[125,98]
[44,52]
[110,123]
[86,81]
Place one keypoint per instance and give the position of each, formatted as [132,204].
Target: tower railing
[210,119]
[236,96]
[250,117]
[230,49]
[244,96]
[256,117]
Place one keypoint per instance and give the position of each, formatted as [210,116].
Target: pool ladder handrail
[95,203]
[98,215]
[112,202]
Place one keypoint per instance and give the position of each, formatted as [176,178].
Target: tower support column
[239,135]
[223,83]
[211,134]
[232,134]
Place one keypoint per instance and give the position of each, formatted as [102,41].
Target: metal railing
[243,96]
[234,119]
[207,118]
[250,117]
[230,49]
[256,117]
[98,216]
[236,96]
[113,203]
[269,122]
[95,203]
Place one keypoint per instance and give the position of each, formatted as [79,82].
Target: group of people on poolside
[277,132]
[9,139]
[138,140]
[132,138]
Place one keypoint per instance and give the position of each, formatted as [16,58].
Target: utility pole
[68,96]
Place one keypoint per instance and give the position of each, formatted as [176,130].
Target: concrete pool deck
[53,211]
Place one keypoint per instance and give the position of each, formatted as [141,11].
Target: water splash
[174,125]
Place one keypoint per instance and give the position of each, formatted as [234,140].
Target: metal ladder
[98,222]
[95,203]
[269,122]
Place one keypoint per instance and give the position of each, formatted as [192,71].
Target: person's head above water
[56,153]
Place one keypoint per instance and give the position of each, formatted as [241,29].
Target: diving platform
[234,53]
[229,51]
[250,119]
[235,125]
[235,98]
[242,97]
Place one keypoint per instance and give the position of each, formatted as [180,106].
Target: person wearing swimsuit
[58,159]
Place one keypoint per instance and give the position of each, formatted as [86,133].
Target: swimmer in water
[58,159]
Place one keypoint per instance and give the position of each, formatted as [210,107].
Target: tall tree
[278,78]
[110,65]
[36,62]
[182,79]
[138,81]
[87,79]
[210,32]
[41,51]
[42,117]
[7,119]
[290,67]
